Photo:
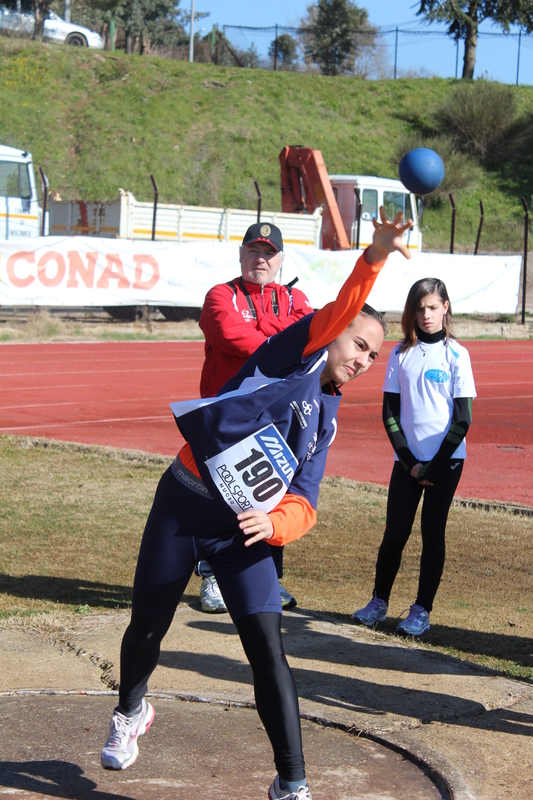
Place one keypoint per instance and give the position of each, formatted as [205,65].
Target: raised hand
[388,237]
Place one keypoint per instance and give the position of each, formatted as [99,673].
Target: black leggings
[275,690]
[184,527]
[404,496]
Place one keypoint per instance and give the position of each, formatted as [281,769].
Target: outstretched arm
[331,320]
[388,237]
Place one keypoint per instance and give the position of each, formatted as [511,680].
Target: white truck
[373,193]
[329,218]
[20,212]
[129,218]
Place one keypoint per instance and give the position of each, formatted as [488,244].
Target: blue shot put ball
[421,170]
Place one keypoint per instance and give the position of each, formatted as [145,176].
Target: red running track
[118,394]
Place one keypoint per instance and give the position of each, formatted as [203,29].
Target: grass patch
[480,612]
[31,326]
[190,126]
[71,519]
[69,535]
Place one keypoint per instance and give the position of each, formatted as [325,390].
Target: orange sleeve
[186,458]
[331,320]
[292,518]
[327,323]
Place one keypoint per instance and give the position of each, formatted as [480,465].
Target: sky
[497,57]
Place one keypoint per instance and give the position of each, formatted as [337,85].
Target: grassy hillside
[100,121]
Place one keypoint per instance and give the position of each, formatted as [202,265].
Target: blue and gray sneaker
[416,623]
[287,600]
[374,611]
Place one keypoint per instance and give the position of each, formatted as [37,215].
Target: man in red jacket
[237,317]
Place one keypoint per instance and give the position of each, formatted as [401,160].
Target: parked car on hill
[17,16]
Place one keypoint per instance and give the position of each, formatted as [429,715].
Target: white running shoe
[121,748]
[211,597]
[276,793]
[287,600]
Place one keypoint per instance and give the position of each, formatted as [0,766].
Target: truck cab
[373,193]
[20,213]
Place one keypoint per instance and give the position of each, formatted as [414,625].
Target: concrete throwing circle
[193,751]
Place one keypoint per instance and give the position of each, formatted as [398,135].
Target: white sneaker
[276,793]
[121,749]
[211,597]
[287,600]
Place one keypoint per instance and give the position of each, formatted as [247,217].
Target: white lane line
[47,426]
[83,402]
[33,374]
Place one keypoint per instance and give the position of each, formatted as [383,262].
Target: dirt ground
[464,726]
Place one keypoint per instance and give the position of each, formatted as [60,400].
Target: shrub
[483,120]
[460,171]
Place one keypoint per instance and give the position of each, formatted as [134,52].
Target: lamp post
[191,37]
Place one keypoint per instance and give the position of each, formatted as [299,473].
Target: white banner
[86,271]
[476,284]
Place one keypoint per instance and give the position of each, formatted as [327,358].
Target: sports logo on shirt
[436,375]
[311,447]
[307,408]
[255,472]
[246,315]
[298,414]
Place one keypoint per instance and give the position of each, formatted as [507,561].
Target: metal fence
[390,47]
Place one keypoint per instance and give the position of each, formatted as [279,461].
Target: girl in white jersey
[427,410]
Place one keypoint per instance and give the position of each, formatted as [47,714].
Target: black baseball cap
[264,232]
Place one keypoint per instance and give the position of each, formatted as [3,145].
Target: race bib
[254,473]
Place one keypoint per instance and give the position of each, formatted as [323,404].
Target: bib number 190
[256,472]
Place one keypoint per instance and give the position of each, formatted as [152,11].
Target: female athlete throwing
[250,473]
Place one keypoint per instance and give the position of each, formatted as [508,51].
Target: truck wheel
[124,313]
[76,39]
[180,313]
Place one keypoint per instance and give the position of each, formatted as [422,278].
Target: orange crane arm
[305,186]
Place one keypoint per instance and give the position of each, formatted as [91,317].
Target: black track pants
[182,529]
[403,499]
[274,687]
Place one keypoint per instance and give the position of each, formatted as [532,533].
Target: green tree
[334,30]
[250,57]
[145,22]
[40,9]
[463,18]
[282,51]
[150,22]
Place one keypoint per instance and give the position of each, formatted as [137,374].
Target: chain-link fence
[383,52]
